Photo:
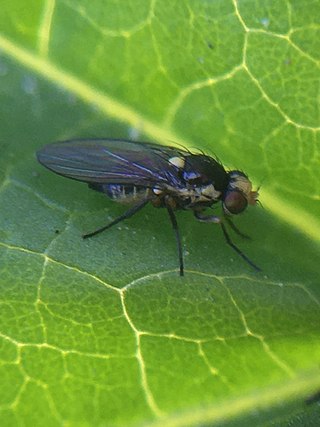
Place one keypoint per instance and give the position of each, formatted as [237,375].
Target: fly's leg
[206,218]
[217,220]
[235,248]
[177,234]
[235,228]
[129,213]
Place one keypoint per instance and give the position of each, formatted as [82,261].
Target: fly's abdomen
[125,193]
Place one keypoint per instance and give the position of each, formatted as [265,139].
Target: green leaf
[104,331]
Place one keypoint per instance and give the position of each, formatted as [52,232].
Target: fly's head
[238,194]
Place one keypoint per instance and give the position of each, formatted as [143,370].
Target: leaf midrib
[264,399]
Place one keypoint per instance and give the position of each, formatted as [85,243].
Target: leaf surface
[104,331]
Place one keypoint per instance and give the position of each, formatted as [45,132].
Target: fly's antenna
[258,202]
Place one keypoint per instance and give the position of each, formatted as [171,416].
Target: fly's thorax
[187,197]
[126,194]
[203,172]
[209,192]
[203,181]
[238,193]
[204,195]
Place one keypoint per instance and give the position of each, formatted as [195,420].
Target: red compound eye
[235,202]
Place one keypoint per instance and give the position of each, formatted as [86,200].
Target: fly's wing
[113,161]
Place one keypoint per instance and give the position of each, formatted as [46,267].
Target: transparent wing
[113,161]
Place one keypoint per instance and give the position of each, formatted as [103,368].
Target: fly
[136,173]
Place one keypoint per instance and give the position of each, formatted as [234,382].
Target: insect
[137,173]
